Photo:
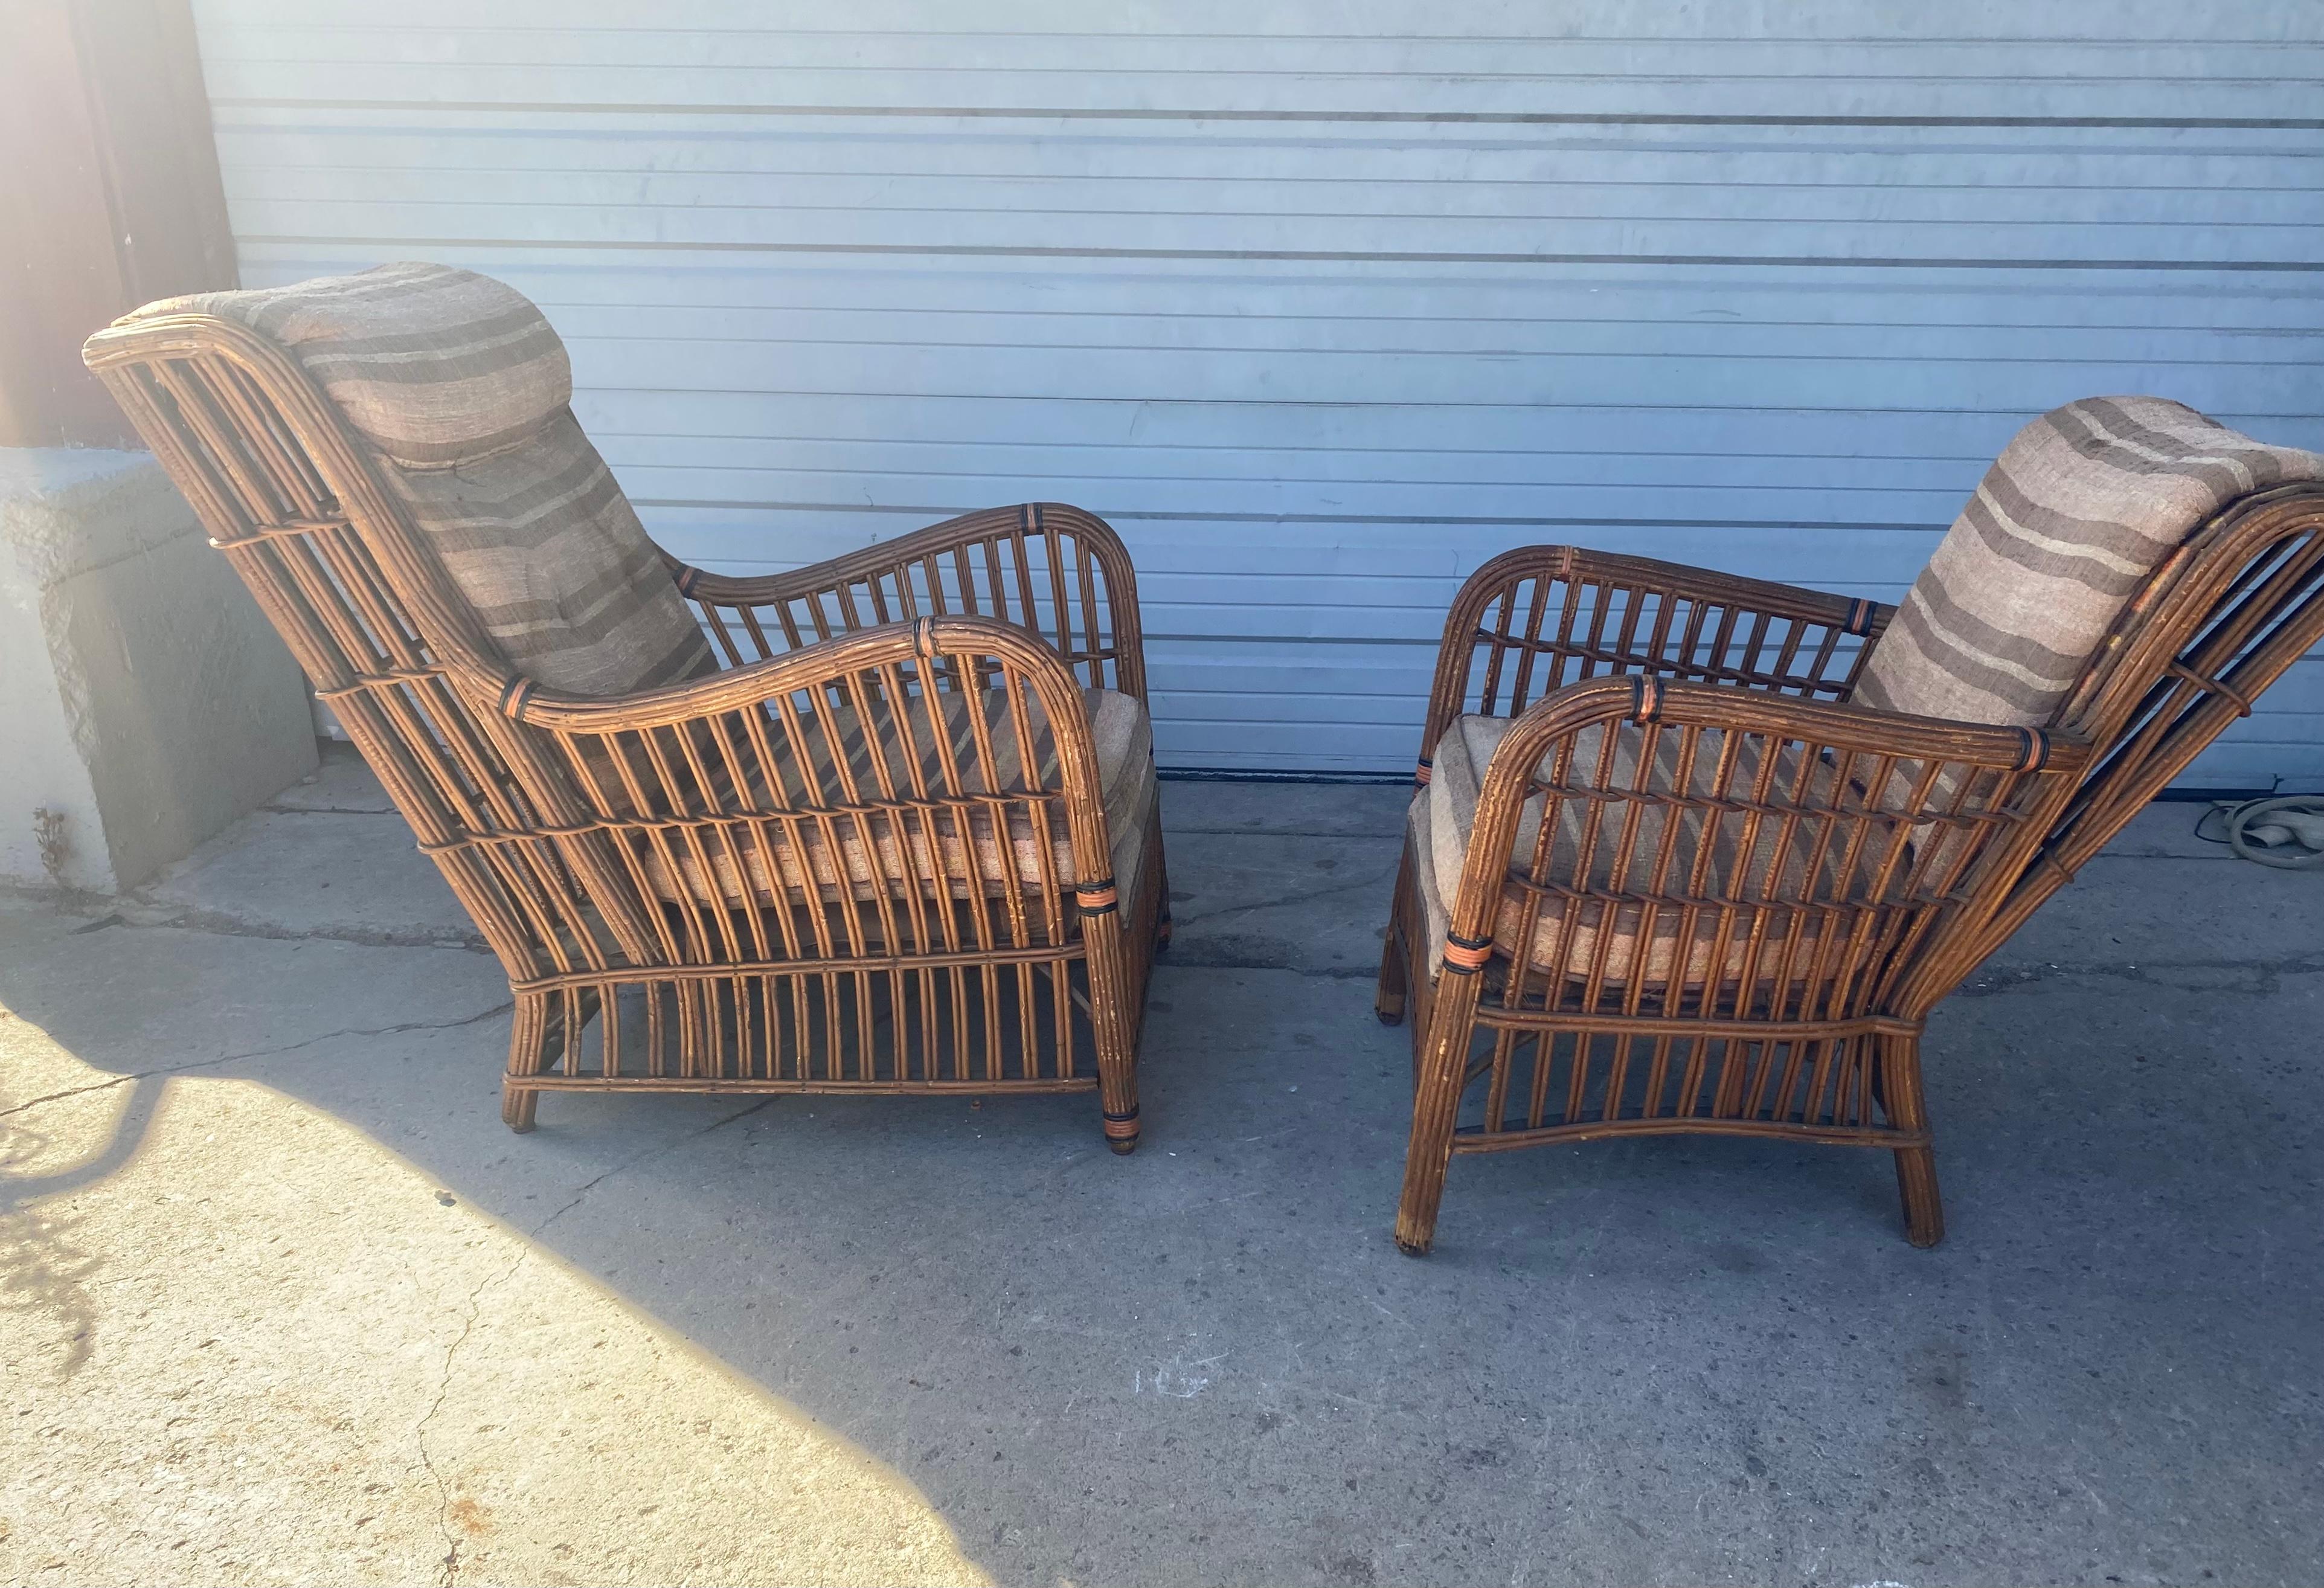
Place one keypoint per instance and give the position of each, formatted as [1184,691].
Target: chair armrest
[765,739]
[1936,813]
[1052,569]
[1539,617]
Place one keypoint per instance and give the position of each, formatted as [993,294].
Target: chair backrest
[459,390]
[2128,571]
[2064,531]
[2222,618]
[304,446]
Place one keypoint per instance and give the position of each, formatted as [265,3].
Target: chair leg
[1116,1090]
[1115,1025]
[1436,1102]
[529,1036]
[1393,973]
[1161,880]
[1924,1210]
[1916,1167]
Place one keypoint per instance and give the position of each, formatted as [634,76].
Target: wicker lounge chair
[887,823]
[1699,853]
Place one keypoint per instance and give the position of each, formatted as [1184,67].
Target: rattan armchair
[1702,887]
[901,836]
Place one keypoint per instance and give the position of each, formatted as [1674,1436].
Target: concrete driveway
[282,1301]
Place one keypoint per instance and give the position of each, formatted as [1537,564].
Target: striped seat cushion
[883,845]
[460,389]
[1787,866]
[2081,507]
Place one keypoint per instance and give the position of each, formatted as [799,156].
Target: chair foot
[1162,935]
[1123,1146]
[519,1108]
[1391,994]
[1924,1210]
[1395,987]
[1412,1247]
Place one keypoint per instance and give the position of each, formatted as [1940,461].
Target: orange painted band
[1645,697]
[2037,751]
[1466,956]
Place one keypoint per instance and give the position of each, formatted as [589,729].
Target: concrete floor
[281,1300]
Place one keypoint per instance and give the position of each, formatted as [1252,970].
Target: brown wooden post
[109,198]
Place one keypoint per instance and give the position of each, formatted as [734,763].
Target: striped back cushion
[2081,506]
[461,389]
[431,366]
[562,575]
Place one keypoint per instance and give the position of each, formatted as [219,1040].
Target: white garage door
[1325,303]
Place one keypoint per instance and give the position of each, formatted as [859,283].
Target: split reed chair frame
[869,853]
[1696,731]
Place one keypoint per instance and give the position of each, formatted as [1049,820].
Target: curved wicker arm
[1705,805]
[1054,569]
[769,742]
[1540,617]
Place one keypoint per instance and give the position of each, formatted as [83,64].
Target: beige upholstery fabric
[2081,506]
[1781,867]
[859,854]
[431,366]
[460,388]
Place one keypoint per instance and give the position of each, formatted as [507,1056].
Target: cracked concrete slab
[248,1344]
[2132,909]
[340,783]
[312,873]
[919,1340]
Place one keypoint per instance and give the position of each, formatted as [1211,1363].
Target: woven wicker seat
[885,824]
[1698,854]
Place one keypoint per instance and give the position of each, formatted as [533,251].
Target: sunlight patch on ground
[243,1342]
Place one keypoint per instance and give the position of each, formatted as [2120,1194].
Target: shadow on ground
[1699,1361]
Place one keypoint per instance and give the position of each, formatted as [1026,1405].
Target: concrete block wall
[145,700]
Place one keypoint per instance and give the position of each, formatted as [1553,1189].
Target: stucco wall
[143,696]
